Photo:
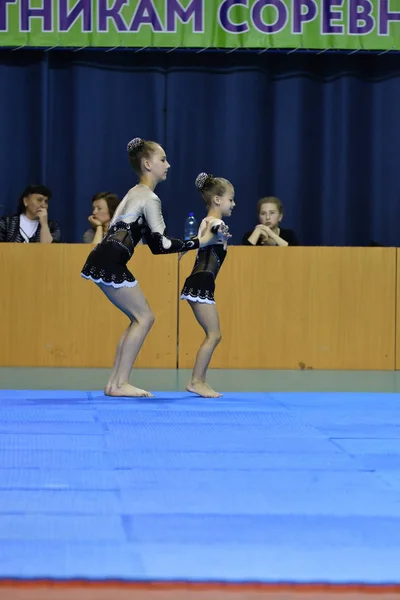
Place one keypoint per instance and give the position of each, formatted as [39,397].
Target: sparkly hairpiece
[135,145]
[202,179]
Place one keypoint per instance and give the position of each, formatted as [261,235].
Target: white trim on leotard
[197,299]
[111,283]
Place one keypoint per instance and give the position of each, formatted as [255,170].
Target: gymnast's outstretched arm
[156,236]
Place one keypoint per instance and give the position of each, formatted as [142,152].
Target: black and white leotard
[200,285]
[137,216]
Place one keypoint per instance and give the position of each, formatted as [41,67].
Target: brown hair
[111,199]
[138,149]
[211,186]
[270,200]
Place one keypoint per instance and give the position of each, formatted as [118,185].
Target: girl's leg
[207,317]
[131,301]
[110,382]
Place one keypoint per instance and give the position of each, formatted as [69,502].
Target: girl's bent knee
[146,320]
[215,337]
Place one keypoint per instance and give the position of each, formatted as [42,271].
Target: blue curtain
[321,132]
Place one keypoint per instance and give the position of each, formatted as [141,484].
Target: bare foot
[210,388]
[202,389]
[127,390]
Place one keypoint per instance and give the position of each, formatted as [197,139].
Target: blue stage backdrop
[321,132]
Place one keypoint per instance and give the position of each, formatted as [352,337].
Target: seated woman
[104,205]
[31,223]
[269,232]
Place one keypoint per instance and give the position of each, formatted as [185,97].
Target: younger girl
[198,290]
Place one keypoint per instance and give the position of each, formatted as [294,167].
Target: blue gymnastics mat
[251,487]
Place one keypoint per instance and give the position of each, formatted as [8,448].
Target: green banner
[262,24]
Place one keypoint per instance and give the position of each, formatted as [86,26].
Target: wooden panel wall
[280,308]
[50,316]
[300,308]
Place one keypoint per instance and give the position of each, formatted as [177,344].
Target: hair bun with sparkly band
[201,180]
[135,145]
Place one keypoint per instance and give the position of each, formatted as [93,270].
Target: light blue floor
[273,487]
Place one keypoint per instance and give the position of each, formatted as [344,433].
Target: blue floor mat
[277,487]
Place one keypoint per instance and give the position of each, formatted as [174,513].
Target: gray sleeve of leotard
[153,215]
[156,234]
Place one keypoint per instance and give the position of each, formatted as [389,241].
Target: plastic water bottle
[191,227]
